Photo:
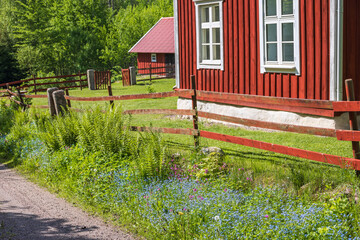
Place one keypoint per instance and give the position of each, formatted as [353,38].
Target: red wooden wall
[241,52]
[351,43]
[144,60]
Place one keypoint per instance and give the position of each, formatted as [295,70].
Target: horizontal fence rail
[302,106]
[188,131]
[34,82]
[162,111]
[184,93]
[315,156]
[270,125]
[319,108]
[156,72]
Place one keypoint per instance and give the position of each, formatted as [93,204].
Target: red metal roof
[159,39]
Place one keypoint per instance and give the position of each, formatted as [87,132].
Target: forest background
[67,36]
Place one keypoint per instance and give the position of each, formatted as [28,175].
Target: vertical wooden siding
[242,52]
[351,43]
[144,60]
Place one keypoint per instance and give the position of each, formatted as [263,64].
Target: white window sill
[291,69]
[209,66]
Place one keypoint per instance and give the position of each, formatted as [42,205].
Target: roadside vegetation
[160,187]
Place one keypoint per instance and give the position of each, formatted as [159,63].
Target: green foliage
[150,88]
[6,118]
[150,156]
[10,68]
[128,26]
[212,165]
[93,130]
[66,36]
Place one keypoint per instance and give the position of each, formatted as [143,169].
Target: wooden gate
[102,79]
[126,77]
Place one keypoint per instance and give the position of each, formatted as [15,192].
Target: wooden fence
[154,73]
[102,79]
[125,73]
[313,107]
[39,85]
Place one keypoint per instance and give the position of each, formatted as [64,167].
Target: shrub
[6,118]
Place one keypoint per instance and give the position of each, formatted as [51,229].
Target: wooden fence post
[67,94]
[34,84]
[96,77]
[195,116]
[80,81]
[110,94]
[23,105]
[350,95]
[109,78]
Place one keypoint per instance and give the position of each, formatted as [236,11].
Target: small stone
[60,102]
[212,150]
[175,155]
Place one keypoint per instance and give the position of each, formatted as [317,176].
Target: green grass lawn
[268,166]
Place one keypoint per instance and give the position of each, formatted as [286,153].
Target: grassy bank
[159,187]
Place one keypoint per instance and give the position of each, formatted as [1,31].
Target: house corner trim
[176,29]
[336,50]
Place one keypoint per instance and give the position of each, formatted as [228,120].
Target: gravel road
[31,213]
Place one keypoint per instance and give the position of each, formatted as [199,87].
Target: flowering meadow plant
[208,210]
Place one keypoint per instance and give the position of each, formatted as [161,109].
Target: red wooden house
[282,48]
[156,47]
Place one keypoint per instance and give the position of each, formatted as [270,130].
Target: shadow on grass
[270,157]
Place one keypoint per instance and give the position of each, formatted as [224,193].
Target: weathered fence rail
[313,108]
[35,82]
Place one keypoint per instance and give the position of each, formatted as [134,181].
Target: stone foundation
[341,122]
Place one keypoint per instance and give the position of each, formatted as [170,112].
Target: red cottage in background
[281,48]
[156,47]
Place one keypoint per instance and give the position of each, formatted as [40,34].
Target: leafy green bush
[6,118]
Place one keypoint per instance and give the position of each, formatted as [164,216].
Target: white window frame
[279,66]
[153,58]
[208,64]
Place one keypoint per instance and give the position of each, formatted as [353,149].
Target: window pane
[286,7]
[288,52]
[270,7]
[288,32]
[272,52]
[206,52]
[205,17]
[216,35]
[271,34]
[216,52]
[205,36]
[216,14]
